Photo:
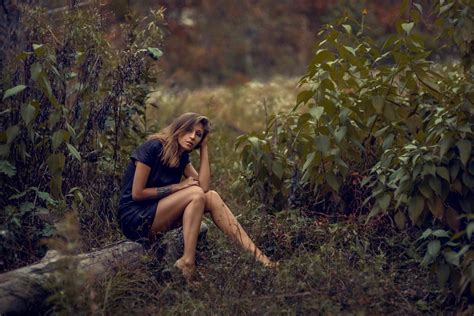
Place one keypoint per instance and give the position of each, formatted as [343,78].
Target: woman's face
[191,137]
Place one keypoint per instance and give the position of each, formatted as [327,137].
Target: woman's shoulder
[148,151]
[154,144]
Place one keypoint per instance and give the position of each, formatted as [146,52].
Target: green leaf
[38,49]
[388,141]
[378,103]
[13,91]
[316,112]
[384,201]
[442,272]
[321,56]
[309,161]
[55,163]
[407,27]
[469,230]
[443,172]
[440,233]
[433,248]
[464,147]
[7,168]
[424,188]
[12,132]
[381,131]
[445,8]
[277,169]
[332,180]
[4,150]
[26,207]
[28,113]
[418,6]
[427,233]
[59,137]
[351,50]
[415,207]
[154,53]
[322,143]
[46,197]
[304,96]
[74,152]
[452,257]
[444,147]
[400,220]
[35,71]
[340,134]
[348,28]
[374,211]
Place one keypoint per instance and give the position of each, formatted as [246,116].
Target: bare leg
[226,221]
[188,204]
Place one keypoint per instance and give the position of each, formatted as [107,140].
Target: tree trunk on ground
[22,289]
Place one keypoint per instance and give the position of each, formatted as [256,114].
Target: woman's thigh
[171,208]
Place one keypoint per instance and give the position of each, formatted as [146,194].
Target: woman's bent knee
[212,197]
[197,193]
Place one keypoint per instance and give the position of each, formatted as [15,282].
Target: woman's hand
[188,182]
[205,141]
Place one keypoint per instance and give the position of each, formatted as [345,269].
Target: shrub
[67,117]
[386,115]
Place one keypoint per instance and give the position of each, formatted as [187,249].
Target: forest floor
[329,265]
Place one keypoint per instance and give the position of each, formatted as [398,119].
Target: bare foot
[267,263]
[272,265]
[187,269]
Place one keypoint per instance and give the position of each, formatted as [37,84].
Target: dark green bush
[385,130]
[71,109]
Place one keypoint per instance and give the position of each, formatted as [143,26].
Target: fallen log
[21,290]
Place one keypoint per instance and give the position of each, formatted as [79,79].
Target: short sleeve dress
[136,217]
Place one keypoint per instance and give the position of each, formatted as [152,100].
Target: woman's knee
[197,193]
[212,197]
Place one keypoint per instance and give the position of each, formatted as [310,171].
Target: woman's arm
[204,174]
[139,192]
[204,170]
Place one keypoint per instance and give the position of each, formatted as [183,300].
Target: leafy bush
[69,103]
[385,131]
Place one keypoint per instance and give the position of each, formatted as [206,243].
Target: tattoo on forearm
[161,192]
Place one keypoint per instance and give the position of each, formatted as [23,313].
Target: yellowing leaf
[452,217]
[415,208]
[437,208]
[400,220]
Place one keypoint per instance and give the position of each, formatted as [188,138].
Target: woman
[155,200]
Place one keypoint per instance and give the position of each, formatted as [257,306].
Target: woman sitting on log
[155,200]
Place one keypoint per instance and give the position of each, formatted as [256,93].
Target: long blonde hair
[168,136]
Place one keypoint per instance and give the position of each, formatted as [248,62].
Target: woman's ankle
[189,262]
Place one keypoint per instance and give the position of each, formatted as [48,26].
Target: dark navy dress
[136,217]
